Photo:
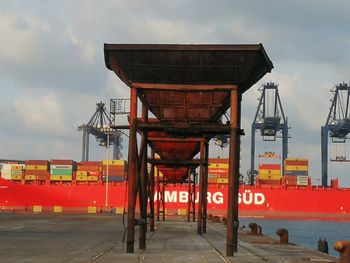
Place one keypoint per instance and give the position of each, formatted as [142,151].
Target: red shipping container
[62,162]
[41,177]
[36,172]
[36,162]
[270,166]
[218,160]
[222,175]
[296,163]
[218,171]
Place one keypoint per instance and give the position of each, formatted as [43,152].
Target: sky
[52,70]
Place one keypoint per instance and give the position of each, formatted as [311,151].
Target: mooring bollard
[343,247]
[259,230]
[283,234]
[322,245]
[254,228]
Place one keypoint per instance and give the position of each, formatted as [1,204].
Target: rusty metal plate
[242,65]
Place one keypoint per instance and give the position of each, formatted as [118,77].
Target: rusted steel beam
[158,195]
[233,172]
[184,127]
[184,87]
[151,195]
[132,170]
[205,186]
[162,139]
[201,189]
[189,202]
[236,178]
[143,197]
[193,163]
[163,198]
[194,196]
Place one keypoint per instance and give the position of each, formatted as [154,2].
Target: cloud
[42,114]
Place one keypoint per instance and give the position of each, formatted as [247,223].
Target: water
[305,232]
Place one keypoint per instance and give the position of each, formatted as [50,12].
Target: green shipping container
[61,172]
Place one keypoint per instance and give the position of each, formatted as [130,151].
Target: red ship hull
[313,202]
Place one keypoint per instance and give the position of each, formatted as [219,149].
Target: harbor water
[304,232]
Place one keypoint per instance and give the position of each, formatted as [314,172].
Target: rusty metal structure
[187,88]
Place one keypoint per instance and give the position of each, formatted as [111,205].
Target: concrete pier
[98,238]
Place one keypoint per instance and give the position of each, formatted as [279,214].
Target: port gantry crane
[337,126]
[271,122]
[100,126]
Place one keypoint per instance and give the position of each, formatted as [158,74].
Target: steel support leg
[132,170]
[201,189]
[205,187]
[233,173]
[252,155]
[151,195]
[143,198]
[158,196]
[194,196]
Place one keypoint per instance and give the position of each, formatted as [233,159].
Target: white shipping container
[6,175]
[302,182]
[302,177]
[60,166]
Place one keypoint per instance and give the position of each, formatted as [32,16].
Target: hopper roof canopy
[241,65]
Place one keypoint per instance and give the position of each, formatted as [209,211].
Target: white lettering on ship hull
[182,197]
[246,198]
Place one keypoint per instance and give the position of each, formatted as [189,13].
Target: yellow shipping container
[218,165]
[222,181]
[82,173]
[16,167]
[16,177]
[57,209]
[114,162]
[296,168]
[270,176]
[268,171]
[60,177]
[80,178]
[29,177]
[36,167]
[92,178]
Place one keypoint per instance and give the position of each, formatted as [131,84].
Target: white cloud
[42,114]
[20,37]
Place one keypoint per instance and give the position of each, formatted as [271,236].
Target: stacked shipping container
[296,172]
[88,171]
[218,171]
[61,170]
[114,169]
[269,174]
[36,170]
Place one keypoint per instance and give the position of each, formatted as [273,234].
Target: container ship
[93,186]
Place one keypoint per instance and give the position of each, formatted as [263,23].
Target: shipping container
[61,166]
[60,177]
[218,165]
[302,163]
[271,172]
[113,179]
[62,162]
[30,177]
[81,178]
[217,171]
[114,162]
[61,172]
[296,173]
[269,166]
[296,168]
[222,181]
[270,176]
[39,167]
[81,173]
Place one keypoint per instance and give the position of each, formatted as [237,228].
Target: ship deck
[98,238]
